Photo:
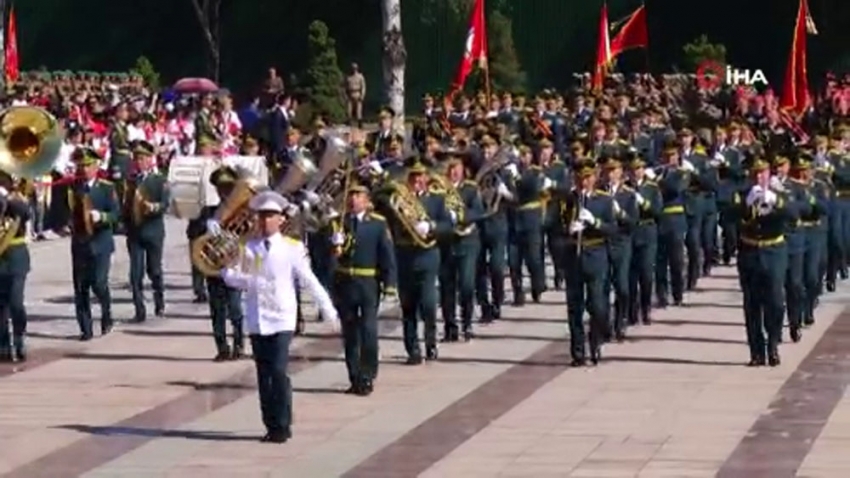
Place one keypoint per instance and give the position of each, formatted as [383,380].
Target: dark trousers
[556,244]
[586,274]
[812,264]
[12,307]
[491,268]
[762,275]
[641,275]
[271,358]
[795,292]
[835,255]
[417,293]
[671,251]
[91,275]
[620,261]
[457,281]
[524,249]
[225,304]
[357,300]
[708,230]
[693,240]
[145,256]
[729,234]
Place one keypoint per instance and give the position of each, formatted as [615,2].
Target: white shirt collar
[360,215]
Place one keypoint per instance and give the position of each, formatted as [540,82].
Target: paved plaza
[675,400]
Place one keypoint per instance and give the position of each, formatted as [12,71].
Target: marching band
[624,204]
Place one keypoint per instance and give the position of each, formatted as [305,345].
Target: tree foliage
[323,77]
[701,49]
[145,69]
[506,73]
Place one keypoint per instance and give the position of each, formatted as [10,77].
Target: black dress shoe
[159,312]
[5,355]
[796,334]
[20,354]
[199,299]
[365,389]
[353,389]
[830,286]
[276,437]
[106,329]
[756,362]
[468,335]
[431,354]
[595,355]
[85,336]
[222,356]
[413,360]
[237,354]
[578,362]
[773,360]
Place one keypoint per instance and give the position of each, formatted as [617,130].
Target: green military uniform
[644,246]
[558,173]
[526,233]
[586,259]
[366,269]
[813,227]
[417,286]
[14,267]
[731,177]
[841,180]
[225,302]
[798,199]
[120,152]
[672,230]
[91,254]
[620,250]
[493,232]
[458,258]
[830,226]
[146,234]
[762,265]
[204,127]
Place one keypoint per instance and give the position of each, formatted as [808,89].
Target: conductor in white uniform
[267,271]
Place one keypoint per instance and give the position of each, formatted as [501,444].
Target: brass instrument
[213,252]
[81,208]
[297,174]
[439,184]
[30,142]
[409,211]
[489,179]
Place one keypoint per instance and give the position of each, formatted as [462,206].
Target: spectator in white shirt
[267,271]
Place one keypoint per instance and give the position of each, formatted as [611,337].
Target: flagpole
[487,51]
[3,44]
[646,50]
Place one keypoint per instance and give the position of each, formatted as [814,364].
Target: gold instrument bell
[30,142]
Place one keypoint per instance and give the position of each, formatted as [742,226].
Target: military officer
[841,179]
[95,210]
[120,149]
[731,176]
[378,142]
[14,267]
[587,216]
[694,162]
[225,302]
[813,226]
[644,242]
[526,233]
[459,255]
[145,202]
[762,263]
[421,256]
[493,232]
[797,199]
[673,180]
[366,270]
[620,243]
[556,170]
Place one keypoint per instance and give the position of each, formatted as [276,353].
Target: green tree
[323,77]
[145,69]
[701,50]
[506,73]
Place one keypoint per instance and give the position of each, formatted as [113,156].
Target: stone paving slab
[673,401]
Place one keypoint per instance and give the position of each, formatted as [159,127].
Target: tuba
[213,252]
[30,142]
[299,173]
[409,211]
[489,179]
[328,183]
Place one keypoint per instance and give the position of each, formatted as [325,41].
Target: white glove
[338,239]
[776,183]
[586,216]
[3,192]
[719,158]
[332,214]
[96,216]
[770,197]
[376,167]
[754,195]
[504,192]
[640,199]
[688,166]
[311,197]
[548,184]
[292,210]
[213,227]
[650,174]
[453,215]
[576,227]
[423,228]
[512,170]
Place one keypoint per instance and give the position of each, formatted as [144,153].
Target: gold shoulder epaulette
[291,240]
[469,182]
[628,188]
[377,217]
[557,161]
[535,167]
[105,181]
[602,192]
[797,181]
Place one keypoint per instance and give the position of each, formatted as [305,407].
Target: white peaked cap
[268,201]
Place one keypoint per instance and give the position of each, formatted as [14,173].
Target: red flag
[12,69]
[795,90]
[476,46]
[633,34]
[603,51]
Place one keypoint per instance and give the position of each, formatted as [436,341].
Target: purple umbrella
[195,85]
